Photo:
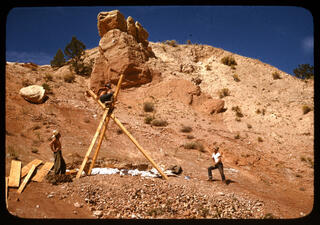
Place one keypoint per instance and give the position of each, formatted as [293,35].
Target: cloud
[307,44]
[40,58]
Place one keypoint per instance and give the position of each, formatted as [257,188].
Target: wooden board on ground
[43,172]
[15,172]
[27,167]
[26,179]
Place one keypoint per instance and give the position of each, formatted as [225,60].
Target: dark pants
[59,163]
[217,166]
[106,97]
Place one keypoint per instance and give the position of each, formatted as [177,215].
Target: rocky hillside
[254,112]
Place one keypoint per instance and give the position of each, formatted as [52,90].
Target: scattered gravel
[112,196]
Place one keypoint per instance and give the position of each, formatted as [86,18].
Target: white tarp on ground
[151,173]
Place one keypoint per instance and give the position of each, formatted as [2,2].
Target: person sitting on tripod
[106,94]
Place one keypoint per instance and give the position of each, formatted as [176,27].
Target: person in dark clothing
[55,145]
[216,157]
[105,94]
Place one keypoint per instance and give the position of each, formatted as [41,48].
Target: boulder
[111,20]
[33,93]
[213,106]
[176,169]
[120,53]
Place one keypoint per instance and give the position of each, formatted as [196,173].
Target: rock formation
[123,49]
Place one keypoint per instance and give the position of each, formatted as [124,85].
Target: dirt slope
[268,153]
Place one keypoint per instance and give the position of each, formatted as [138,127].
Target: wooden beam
[15,173]
[43,172]
[129,135]
[27,167]
[138,146]
[92,144]
[105,126]
[26,179]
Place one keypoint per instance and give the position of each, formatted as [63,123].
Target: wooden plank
[26,179]
[15,172]
[27,167]
[139,146]
[104,128]
[92,144]
[43,172]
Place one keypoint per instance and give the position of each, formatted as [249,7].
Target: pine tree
[58,59]
[304,71]
[74,50]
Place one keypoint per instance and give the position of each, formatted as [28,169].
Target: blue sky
[282,36]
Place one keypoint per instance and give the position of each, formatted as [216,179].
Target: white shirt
[216,157]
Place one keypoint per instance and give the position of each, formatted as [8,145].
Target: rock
[142,34]
[187,68]
[77,205]
[213,106]
[33,93]
[120,53]
[175,169]
[131,27]
[98,213]
[111,20]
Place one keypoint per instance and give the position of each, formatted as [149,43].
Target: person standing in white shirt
[216,157]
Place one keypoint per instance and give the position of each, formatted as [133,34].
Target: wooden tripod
[102,127]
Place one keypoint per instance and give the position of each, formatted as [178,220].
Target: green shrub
[306,109]
[229,61]
[304,71]
[148,119]
[47,88]
[148,106]
[276,76]
[159,123]
[186,129]
[58,59]
[308,160]
[224,92]
[69,78]
[237,110]
[236,77]
[260,139]
[194,145]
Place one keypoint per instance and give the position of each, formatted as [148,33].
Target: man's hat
[55,133]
